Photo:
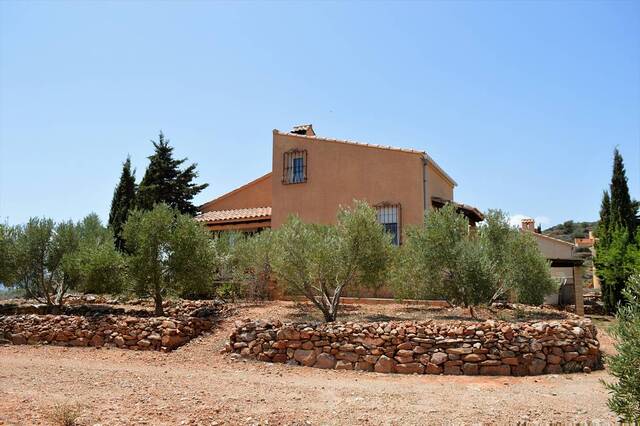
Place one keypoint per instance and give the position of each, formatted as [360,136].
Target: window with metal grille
[294,168]
[389,217]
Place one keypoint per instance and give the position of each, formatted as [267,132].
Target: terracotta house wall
[254,194]
[552,249]
[338,173]
[437,184]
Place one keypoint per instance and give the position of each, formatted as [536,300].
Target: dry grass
[65,415]
[305,311]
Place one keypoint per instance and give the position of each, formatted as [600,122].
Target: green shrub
[444,259]
[47,259]
[625,366]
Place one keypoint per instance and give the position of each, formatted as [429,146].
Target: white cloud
[516,219]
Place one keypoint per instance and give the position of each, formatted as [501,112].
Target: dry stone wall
[487,348]
[109,330]
[97,328]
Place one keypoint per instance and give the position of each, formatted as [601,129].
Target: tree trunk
[329,316]
[158,300]
[472,312]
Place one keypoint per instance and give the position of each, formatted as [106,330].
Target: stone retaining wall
[97,328]
[487,348]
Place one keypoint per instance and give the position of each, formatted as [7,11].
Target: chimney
[529,225]
[303,129]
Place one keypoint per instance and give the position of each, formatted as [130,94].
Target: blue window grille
[294,167]
[389,217]
[298,170]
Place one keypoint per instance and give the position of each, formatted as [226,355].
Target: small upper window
[389,217]
[294,167]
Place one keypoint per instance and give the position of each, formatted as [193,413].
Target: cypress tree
[616,252]
[604,228]
[165,182]
[623,210]
[124,199]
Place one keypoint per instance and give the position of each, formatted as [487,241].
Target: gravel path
[198,385]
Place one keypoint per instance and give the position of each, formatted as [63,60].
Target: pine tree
[623,209]
[124,199]
[165,182]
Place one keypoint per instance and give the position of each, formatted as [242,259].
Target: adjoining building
[566,267]
[312,177]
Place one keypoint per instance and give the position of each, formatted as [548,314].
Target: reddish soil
[197,385]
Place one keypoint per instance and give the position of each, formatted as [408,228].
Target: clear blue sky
[521,102]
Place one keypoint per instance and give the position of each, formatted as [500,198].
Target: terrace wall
[488,348]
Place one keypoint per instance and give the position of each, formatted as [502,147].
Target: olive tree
[48,259]
[443,258]
[253,257]
[625,365]
[518,264]
[440,259]
[7,253]
[170,253]
[320,261]
[101,267]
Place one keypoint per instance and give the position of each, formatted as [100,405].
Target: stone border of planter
[485,348]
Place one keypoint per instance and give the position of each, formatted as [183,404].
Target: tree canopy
[321,261]
[170,253]
[625,365]
[444,259]
[124,199]
[48,259]
[165,182]
[617,248]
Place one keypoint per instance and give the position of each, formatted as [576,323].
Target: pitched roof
[235,214]
[238,189]
[547,237]
[467,210]
[423,154]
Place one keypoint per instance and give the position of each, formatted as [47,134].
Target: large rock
[347,356]
[452,370]
[18,339]
[288,333]
[537,366]
[410,368]
[384,365]
[439,358]
[305,357]
[470,369]
[459,351]
[495,370]
[364,366]
[344,365]
[432,368]
[474,358]
[325,360]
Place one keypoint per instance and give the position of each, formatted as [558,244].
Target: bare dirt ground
[197,385]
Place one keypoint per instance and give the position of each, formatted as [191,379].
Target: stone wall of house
[487,348]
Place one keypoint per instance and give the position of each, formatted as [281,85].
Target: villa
[312,177]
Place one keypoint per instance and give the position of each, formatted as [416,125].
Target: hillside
[569,230]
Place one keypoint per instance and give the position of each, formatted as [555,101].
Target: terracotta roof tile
[224,215]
